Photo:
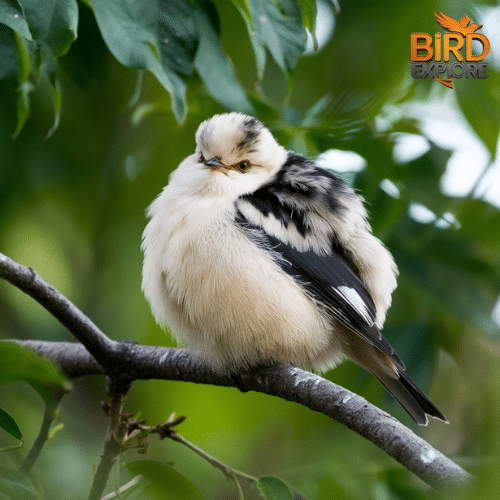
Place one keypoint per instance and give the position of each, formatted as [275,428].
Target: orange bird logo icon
[450,24]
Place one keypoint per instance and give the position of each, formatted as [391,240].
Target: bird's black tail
[411,398]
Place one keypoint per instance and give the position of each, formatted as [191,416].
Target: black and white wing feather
[276,211]
[330,280]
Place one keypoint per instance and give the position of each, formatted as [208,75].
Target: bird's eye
[201,158]
[243,166]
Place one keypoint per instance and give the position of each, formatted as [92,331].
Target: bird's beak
[214,163]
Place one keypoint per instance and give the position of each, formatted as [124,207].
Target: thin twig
[48,417]
[113,445]
[123,488]
[227,470]
[166,430]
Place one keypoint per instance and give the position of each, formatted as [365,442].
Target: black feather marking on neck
[302,177]
[298,187]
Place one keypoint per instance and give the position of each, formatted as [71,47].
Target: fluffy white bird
[254,255]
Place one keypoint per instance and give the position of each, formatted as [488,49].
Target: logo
[458,41]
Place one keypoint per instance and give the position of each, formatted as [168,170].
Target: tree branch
[133,361]
[26,279]
[286,382]
[113,443]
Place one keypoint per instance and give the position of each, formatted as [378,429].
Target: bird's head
[235,155]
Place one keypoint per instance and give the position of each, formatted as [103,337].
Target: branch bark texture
[101,355]
[286,382]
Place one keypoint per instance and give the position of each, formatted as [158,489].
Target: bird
[254,255]
[461,27]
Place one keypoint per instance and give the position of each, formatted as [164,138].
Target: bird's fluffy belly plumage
[232,308]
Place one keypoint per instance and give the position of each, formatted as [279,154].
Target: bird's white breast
[223,295]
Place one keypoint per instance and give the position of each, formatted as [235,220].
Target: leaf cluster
[172,40]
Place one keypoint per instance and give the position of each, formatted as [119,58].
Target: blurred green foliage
[86,143]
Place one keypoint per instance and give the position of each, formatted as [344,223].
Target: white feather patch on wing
[355,301]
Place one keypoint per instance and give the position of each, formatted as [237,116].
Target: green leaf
[258,46]
[54,430]
[243,8]
[165,482]
[24,65]
[479,102]
[177,90]
[25,86]
[148,109]
[308,10]
[329,488]
[215,69]
[53,22]
[50,68]
[135,97]
[18,363]
[273,488]
[144,35]
[8,57]
[278,26]
[23,106]
[9,425]
[129,30]
[15,490]
[12,15]
[259,50]
[177,36]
